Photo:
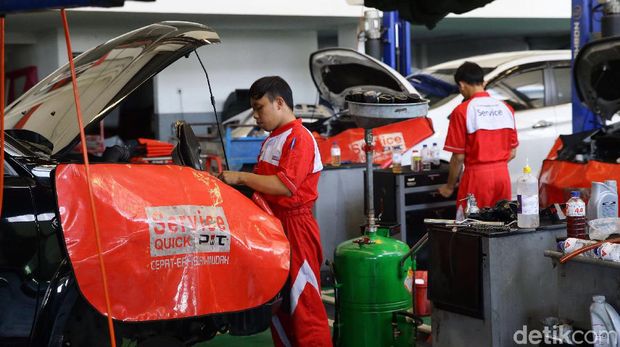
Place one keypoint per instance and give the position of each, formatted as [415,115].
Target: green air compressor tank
[371,287]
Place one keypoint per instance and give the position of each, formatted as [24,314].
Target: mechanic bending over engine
[287,175]
[483,136]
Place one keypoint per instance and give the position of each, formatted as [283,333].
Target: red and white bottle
[576,217]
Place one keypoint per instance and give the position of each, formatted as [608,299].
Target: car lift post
[397,42]
[585,26]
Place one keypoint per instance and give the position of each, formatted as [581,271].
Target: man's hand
[446,191]
[231,177]
[267,184]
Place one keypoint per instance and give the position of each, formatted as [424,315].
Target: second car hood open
[338,71]
[597,76]
[106,75]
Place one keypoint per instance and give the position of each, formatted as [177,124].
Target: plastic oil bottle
[605,322]
[397,160]
[416,161]
[527,197]
[576,217]
[426,158]
[603,201]
[335,154]
[435,155]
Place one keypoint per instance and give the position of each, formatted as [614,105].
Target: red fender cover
[558,178]
[405,134]
[176,242]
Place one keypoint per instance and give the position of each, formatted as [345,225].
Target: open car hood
[597,76]
[106,75]
[338,71]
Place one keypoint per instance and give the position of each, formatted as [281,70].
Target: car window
[561,76]
[521,90]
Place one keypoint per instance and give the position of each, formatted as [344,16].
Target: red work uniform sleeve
[297,161]
[457,133]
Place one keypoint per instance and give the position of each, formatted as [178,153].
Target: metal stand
[370,194]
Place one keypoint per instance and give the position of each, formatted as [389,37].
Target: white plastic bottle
[335,153]
[435,155]
[605,322]
[603,201]
[397,160]
[527,197]
[426,158]
[416,161]
[609,251]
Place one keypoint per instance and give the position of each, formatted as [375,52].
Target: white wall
[49,52]
[329,8]
[336,8]
[347,36]
[241,58]
[521,9]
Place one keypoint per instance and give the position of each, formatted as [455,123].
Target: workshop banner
[176,242]
[405,134]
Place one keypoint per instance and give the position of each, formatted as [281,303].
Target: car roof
[491,61]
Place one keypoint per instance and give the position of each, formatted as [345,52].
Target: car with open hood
[579,159]
[535,83]
[186,256]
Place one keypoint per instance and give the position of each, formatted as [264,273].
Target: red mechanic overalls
[291,153]
[483,129]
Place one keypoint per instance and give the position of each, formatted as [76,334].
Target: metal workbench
[486,286]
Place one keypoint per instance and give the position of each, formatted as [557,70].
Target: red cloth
[291,153]
[483,129]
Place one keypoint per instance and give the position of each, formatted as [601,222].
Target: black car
[41,303]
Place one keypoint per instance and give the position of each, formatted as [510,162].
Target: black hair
[272,87]
[470,73]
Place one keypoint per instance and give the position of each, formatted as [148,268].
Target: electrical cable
[89,185]
[217,119]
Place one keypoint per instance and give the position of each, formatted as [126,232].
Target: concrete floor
[261,340]
[264,339]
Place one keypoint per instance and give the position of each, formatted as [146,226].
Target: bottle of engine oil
[603,200]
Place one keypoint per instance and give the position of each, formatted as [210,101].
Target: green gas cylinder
[371,288]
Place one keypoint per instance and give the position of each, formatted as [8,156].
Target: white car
[535,83]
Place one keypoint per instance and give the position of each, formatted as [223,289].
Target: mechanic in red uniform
[481,135]
[287,175]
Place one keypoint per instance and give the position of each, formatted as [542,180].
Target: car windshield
[436,86]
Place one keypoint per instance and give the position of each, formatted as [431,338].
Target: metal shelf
[580,259]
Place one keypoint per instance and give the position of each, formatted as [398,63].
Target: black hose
[415,249]
[418,321]
[217,119]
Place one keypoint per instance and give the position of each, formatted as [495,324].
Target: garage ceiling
[426,12]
